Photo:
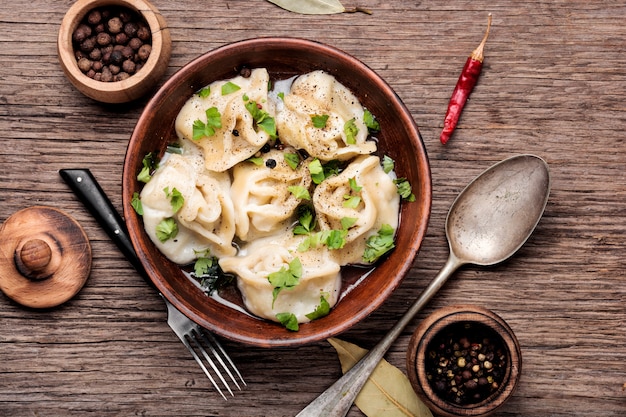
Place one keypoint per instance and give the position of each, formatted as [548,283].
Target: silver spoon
[487,223]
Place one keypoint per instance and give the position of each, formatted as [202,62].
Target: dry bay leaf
[310,6]
[387,392]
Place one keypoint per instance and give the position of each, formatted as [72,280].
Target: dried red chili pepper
[464,87]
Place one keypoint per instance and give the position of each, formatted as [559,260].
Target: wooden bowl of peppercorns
[464,360]
[114,51]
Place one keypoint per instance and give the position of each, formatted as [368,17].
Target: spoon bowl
[496,213]
[487,223]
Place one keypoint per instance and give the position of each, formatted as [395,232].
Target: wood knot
[34,258]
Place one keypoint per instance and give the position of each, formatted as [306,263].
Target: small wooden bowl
[137,84]
[455,322]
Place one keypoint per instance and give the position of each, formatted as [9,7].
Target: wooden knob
[45,257]
[34,258]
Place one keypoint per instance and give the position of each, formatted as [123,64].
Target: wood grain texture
[553,84]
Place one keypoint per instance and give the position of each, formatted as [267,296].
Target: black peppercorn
[111,43]
[270,163]
[457,365]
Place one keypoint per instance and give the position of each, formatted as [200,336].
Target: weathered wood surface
[554,84]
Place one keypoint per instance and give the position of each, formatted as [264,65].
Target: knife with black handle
[86,187]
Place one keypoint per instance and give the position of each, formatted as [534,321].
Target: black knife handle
[86,187]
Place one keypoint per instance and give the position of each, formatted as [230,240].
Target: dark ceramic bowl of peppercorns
[114,51]
[464,361]
[363,289]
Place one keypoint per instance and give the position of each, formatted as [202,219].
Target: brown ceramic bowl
[138,84]
[399,138]
[429,361]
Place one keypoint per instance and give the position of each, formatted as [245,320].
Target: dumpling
[206,219]
[376,203]
[239,136]
[321,277]
[262,200]
[320,94]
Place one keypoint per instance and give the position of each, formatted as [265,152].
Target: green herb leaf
[176,198]
[319,120]
[299,192]
[203,265]
[351,201]
[388,164]
[229,87]
[351,130]
[136,204]
[404,189]
[354,186]
[288,320]
[311,6]
[205,92]
[317,171]
[305,220]
[321,310]
[256,160]
[214,121]
[262,118]
[285,278]
[379,244]
[370,121]
[281,96]
[149,163]
[166,229]
[335,239]
[292,160]
[348,222]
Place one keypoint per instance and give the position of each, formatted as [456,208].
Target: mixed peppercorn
[111,43]
[466,363]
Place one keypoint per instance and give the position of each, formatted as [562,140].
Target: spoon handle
[338,398]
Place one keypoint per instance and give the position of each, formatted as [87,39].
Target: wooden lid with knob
[45,257]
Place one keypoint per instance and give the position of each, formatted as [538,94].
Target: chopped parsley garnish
[321,310]
[370,121]
[388,164]
[319,120]
[306,220]
[288,320]
[350,200]
[292,159]
[208,271]
[281,96]
[379,244]
[256,160]
[229,87]
[299,192]
[205,92]
[317,171]
[285,278]
[348,222]
[262,118]
[136,204]
[166,229]
[149,163]
[351,130]
[404,189]
[334,239]
[213,121]
[176,198]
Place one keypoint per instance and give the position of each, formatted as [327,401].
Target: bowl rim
[115,91]
[430,327]
[418,232]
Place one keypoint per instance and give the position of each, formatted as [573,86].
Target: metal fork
[86,187]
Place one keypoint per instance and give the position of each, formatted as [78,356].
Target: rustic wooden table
[553,84]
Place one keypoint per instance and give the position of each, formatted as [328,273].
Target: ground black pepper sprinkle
[112,43]
[466,363]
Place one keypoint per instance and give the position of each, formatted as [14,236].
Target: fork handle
[89,191]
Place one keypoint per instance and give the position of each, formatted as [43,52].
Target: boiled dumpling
[206,219]
[260,193]
[239,137]
[321,277]
[365,183]
[320,94]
